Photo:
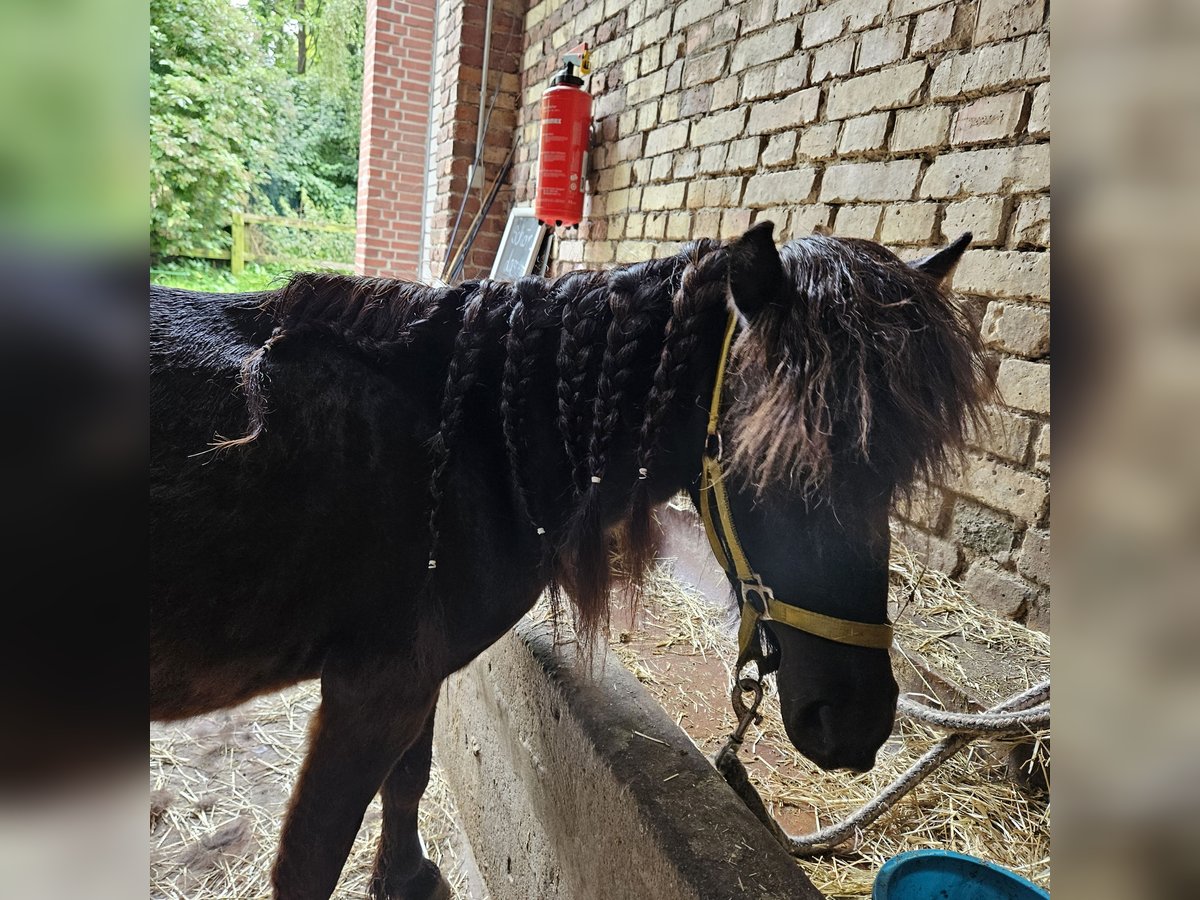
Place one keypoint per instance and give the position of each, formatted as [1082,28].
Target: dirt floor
[219,787]
[691,681]
[220,782]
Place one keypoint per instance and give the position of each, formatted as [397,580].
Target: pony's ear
[755,270]
[942,263]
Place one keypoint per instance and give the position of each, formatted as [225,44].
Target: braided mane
[621,342]
[864,358]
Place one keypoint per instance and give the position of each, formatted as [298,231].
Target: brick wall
[393,138]
[457,83]
[906,121]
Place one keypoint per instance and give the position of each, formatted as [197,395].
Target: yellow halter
[758,601]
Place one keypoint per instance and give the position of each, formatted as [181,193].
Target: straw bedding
[219,788]
[220,783]
[970,805]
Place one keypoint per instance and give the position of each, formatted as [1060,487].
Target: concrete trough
[575,784]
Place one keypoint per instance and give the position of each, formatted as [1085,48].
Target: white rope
[1021,714]
[998,720]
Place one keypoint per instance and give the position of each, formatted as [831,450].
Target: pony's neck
[636,353]
[602,380]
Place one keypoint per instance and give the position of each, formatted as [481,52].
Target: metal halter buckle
[713,447]
[758,595]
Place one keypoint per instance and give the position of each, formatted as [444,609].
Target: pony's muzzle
[836,740]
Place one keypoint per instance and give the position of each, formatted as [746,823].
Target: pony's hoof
[427,884]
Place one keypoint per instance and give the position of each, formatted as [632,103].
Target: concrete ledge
[578,785]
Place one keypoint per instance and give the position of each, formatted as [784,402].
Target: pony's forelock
[869,361]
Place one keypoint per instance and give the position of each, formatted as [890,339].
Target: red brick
[396,76]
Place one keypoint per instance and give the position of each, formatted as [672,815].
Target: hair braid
[478,319]
[632,323]
[527,332]
[635,318]
[698,302]
[250,380]
[578,354]
[374,316]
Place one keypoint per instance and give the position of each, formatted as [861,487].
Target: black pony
[370,481]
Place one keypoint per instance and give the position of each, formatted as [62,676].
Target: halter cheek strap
[758,600]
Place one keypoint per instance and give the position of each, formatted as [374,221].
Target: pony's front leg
[401,870]
[369,716]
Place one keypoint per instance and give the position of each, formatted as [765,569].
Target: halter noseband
[758,600]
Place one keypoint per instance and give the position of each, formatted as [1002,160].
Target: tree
[251,107]
[319,43]
[215,95]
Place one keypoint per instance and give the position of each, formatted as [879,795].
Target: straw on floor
[219,788]
[220,783]
[970,805]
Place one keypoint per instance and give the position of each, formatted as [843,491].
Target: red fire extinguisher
[566,126]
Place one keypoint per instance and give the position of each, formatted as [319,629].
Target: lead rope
[1018,715]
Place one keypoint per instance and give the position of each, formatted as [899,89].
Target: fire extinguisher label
[562,156]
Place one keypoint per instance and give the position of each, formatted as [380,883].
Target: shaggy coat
[369,481]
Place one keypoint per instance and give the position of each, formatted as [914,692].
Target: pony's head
[853,374]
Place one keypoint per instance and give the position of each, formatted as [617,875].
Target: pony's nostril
[817,730]
[815,720]
[816,733]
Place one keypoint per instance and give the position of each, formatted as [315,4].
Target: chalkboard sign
[519,246]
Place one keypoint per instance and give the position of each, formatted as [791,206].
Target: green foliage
[333,31]
[234,125]
[266,240]
[214,99]
[201,275]
[315,168]
[315,171]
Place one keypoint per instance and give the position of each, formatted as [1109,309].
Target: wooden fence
[238,255]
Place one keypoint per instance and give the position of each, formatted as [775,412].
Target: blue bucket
[943,875]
